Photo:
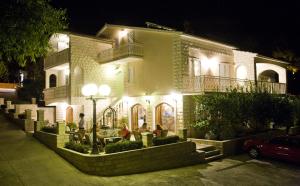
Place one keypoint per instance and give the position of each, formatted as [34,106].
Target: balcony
[57,59]
[223,84]
[55,93]
[129,52]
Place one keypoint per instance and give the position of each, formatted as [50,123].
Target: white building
[152,73]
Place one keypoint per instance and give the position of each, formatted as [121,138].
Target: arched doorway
[69,114]
[138,116]
[269,76]
[164,115]
[52,80]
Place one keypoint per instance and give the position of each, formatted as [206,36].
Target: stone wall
[51,140]
[135,161]
[234,146]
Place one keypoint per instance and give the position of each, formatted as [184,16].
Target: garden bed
[135,161]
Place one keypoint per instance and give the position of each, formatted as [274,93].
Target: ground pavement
[25,161]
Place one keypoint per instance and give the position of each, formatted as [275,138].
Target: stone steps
[211,152]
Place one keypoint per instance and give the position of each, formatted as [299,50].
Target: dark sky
[259,26]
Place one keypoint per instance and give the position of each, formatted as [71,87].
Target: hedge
[165,140]
[123,146]
[49,129]
[77,147]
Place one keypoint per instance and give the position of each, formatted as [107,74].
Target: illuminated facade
[152,74]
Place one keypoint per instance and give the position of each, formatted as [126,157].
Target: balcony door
[224,73]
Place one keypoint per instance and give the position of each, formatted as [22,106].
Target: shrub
[123,146]
[71,125]
[165,140]
[22,116]
[77,147]
[3,106]
[49,129]
[11,110]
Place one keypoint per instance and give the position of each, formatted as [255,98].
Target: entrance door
[164,115]
[138,116]
[69,114]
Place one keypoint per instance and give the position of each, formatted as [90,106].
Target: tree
[26,26]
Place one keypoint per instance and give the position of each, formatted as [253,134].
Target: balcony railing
[56,59]
[223,84]
[56,93]
[113,54]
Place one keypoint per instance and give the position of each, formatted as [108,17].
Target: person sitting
[157,131]
[143,128]
[124,133]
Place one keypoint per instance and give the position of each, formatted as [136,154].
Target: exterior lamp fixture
[90,91]
[148,99]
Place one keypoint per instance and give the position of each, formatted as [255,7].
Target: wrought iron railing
[56,59]
[124,51]
[224,84]
[56,92]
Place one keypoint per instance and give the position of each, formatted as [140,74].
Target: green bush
[21,116]
[49,129]
[228,115]
[165,140]
[123,146]
[77,147]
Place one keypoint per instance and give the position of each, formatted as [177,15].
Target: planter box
[135,161]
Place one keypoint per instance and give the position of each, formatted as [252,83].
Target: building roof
[164,31]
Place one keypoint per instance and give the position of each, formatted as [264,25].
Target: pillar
[40,115]
[61,128]
[147,139]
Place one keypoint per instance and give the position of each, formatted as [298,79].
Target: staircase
[211,152]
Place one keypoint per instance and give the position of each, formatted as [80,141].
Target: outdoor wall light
[148,99]
[122,33]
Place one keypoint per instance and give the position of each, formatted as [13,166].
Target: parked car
[283,147]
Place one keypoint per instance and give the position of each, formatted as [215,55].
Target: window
[52,80]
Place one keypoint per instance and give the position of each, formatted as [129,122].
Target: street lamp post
[90,90]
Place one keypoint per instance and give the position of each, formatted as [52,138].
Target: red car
[284,147]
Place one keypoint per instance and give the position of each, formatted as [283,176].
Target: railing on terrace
[56,92]
[56,59]
[129,50]
[223,84]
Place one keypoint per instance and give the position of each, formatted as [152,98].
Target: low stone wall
[53,141]
[234,146]
[135,161]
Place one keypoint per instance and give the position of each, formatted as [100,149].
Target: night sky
[250,25]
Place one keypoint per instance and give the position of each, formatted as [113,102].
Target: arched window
[52,80]
[138,116]
[269,76]
[164,115]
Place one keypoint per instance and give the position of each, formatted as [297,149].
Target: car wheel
[253,152]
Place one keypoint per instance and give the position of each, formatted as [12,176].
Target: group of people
[124,133]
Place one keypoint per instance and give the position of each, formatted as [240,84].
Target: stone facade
[145,64]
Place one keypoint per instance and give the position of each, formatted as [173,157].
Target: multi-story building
[152,72]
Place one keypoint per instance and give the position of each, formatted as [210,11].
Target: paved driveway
[25,161]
